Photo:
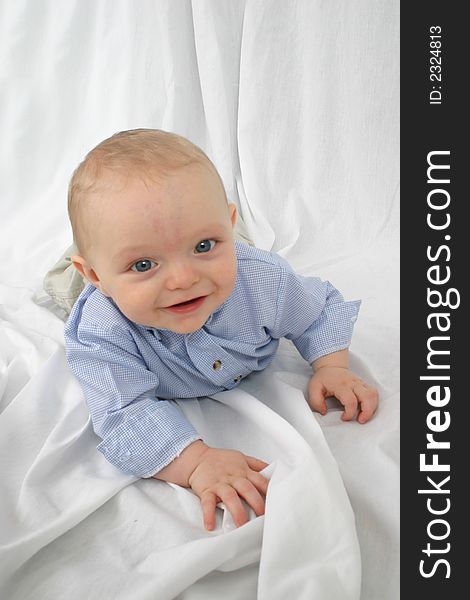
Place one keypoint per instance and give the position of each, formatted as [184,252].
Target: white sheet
[297,104]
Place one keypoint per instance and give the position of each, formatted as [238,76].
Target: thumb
[255,463]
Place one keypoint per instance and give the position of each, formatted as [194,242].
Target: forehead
[191,184]
[188,185]
[183,203]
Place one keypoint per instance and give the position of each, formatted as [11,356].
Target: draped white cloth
[297,105]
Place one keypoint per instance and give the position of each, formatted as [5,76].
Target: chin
[186,329]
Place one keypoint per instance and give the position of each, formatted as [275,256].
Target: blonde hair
[148,153]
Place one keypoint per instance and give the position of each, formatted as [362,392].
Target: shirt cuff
[147,442]
[330,333]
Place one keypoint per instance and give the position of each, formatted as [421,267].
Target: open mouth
[187,306]
[188,302]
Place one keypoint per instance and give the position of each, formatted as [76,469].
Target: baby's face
[164,252]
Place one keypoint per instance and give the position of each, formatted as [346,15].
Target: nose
[181,276]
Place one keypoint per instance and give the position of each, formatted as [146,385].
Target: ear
[87,271]
[232,213]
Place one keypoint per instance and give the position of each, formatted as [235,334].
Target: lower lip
[186,308]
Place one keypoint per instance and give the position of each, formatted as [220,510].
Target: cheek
[134,298]
[227,273]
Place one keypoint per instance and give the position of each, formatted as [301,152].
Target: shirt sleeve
[313,314]
[141,434]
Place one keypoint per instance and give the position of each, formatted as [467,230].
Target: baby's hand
[347,387]
[227,476]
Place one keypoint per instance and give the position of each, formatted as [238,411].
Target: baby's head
[154,231]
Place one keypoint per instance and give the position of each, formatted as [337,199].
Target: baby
[177,309]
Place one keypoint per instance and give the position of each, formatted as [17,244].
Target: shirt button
[237,379]
[217,365]
[125,456]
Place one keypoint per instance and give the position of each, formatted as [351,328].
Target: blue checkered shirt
[130,372]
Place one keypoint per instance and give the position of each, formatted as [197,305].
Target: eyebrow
[215,230]
[133,251]
[130,250]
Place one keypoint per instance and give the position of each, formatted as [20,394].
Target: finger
[349,400]
[259,481]
[368,400]
[208,504]
[250,494]
[316,396]
[231,499]
[255,463]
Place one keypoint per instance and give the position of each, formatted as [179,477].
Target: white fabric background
[297,104]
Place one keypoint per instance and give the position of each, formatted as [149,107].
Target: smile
[187,306]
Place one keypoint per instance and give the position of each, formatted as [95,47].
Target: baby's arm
[332,377]
[217,475]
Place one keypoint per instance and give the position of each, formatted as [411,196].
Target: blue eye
[204,246]
[143,265]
